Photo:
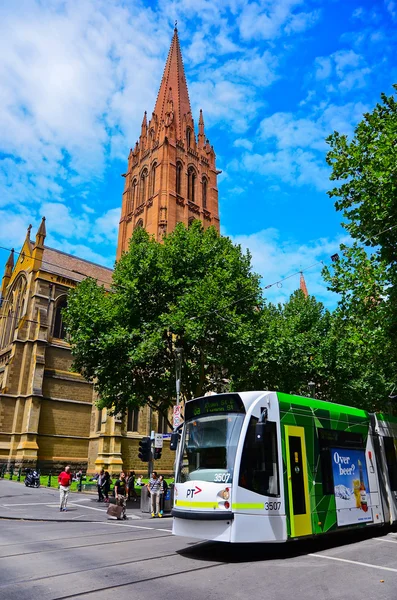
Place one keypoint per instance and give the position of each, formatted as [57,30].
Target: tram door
[298,486]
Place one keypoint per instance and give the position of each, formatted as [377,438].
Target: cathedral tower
[171,176]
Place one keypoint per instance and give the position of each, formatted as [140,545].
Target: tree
[366,316]
[290,352]
[194,291]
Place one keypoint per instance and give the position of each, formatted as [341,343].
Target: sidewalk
[42,504]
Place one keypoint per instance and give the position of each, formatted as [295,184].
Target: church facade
[48,413]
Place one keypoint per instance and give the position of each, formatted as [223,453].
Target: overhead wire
[241,299]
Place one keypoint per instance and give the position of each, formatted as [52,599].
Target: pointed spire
[144,124]
[28,232]
[174,79]
[201,134]
[302,285]
[10,264]
[41,234]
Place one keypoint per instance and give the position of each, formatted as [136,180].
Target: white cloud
[106,227]
[275,259]
[243,143]
[348,67]
[268,20]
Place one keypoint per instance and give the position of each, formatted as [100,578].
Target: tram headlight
[225,494]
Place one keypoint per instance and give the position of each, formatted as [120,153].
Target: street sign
[176,414]
[158,440]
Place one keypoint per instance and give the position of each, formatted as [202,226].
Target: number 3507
[272,505]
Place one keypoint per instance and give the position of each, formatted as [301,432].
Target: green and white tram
[269,467]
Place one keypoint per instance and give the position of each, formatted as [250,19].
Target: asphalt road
[141,559]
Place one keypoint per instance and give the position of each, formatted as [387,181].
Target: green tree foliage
[292,347]
[365,322]
[194,291]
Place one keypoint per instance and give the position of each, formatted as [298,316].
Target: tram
[269,467]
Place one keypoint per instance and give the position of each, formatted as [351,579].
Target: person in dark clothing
[106,486]
[163,492]
[100,482]
[121,491]
[131,486]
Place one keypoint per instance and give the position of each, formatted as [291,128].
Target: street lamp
[312,389]
[178,369]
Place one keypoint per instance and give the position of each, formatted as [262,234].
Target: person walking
[131,486]
[120,491]
[64,482]
[163,492]
[154,490]
[100,484]
[106,486]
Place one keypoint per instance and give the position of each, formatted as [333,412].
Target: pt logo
[193,491]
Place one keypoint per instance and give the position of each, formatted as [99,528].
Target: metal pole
[178,369]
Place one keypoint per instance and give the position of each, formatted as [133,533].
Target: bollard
[2,471]
[19,474]
[11,472]
[80,486]
[49,480]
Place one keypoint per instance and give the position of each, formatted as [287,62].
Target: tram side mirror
[174,441]
[260,430]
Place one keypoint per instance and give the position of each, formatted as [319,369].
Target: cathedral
[48,413]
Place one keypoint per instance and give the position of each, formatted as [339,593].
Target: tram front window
[209,448]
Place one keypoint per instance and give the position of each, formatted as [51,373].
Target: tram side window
[259,462]
[391,459]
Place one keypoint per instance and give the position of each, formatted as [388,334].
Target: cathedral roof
[173,95]
[74,268]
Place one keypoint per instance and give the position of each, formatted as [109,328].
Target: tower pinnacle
[174,78]
[302,285]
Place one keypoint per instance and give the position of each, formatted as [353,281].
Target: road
[54,561]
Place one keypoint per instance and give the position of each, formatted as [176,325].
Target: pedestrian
[139,481]
[120,491]
[106,486]
[100,484]
[131,486]
[163,492]
[154,490]
[64,482]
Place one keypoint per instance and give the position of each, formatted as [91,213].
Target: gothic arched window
[178,187]
[59,329]
[142,187]
[15,304]
[191,220]
[132,419]
[134,189]
[189,137]
[152,184]
[191,184]
[204,191]
[139,224]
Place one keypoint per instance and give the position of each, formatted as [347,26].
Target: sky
[274,79]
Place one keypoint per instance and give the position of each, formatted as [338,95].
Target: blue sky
[273,78]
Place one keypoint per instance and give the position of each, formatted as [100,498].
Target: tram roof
[331,407]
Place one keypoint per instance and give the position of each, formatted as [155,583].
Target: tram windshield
[209,448]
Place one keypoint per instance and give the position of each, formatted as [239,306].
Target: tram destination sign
[222,403]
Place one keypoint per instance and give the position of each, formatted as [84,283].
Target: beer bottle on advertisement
[363,491]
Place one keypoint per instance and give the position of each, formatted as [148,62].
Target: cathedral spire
[201,134]
[10,264]
[302,285]
[41,234]
[172,106]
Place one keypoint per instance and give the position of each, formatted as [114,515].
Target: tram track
[102,567]
[107,543]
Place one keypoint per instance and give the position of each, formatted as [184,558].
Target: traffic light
[157,453]
[145,449]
